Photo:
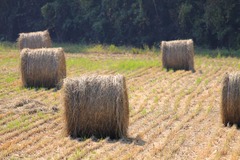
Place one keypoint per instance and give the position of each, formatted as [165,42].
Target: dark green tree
[211,23]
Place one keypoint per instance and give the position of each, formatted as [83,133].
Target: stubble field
[173,115]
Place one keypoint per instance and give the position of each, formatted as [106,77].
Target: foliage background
[211,23]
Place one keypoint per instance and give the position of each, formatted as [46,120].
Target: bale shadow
[129,140]
[136,141]
[54,89]
[180,69]
[229,125]
[37,87]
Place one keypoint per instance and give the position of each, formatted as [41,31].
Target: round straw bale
[45,67]
[178,54]
[96,106]
[230,106]
[34,40]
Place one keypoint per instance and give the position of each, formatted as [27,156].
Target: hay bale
[230,105]
[45,67]
[178,54]
[96,106]
[34,40]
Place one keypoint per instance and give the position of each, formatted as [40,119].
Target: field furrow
[173,114]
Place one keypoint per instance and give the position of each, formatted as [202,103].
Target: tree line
[210,23]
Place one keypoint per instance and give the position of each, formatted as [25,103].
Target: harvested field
[173,115]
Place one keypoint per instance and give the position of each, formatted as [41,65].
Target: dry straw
[230,107]
[44,67]
[34,40]
[178,54]
[96,106]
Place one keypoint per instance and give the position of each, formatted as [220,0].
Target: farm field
[173,115]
